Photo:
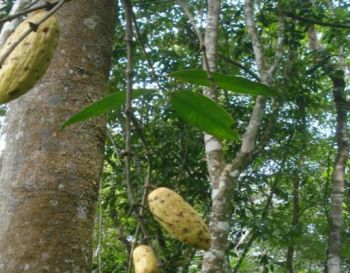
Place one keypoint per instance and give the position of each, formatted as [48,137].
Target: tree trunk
[223,175]
[49,177]
[295,221]
[298,176]
[221,182]
[337,192]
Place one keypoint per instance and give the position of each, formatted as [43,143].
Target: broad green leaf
[203,113]
[112,101]
[232,83]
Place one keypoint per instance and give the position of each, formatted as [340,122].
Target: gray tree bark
[336,222]
[224,175]
[49,177]
[337,194]
[221,182]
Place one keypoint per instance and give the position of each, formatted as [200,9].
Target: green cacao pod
[176,216]
[27,63]
[144,260]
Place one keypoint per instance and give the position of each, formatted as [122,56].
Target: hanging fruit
[144,260]
[176,216]
[27,63]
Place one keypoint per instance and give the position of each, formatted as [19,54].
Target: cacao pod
[177,217]
[144,260]
[29,60]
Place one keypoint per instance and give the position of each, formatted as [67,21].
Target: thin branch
[265,211]
[314,21]
[268,130]
[33,26]
[114,146]
[147,184]
[249,137]
[141,226]
[202,47]
[34,2]
[233,62]
[113,212]
[129,117]
[143,48]
[257,46]
[128,112]
[128,106]
[8,28]
[192,21]
[280,45]
[29,9]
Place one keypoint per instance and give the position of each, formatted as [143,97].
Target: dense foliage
[283,198]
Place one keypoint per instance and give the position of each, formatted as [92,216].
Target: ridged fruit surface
[27,63]
[144,260]
[178,218]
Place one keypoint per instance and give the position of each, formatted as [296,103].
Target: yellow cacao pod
[29,60]
[175,215]
[144,260]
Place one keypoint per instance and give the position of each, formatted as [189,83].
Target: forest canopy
[241,108]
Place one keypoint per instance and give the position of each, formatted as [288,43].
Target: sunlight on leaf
[108,103]
[204,113]
[232,83]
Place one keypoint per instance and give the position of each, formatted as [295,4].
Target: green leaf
[203,113]
[232,83]
[112,101]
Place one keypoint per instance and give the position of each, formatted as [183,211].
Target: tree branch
[9,27]
[248,71]
[208,65]
[257,46]
[314,21]
[29,9]
[280,45]
[32,27]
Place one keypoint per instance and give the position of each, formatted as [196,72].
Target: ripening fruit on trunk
[144,260]
[27,63]
[179,218]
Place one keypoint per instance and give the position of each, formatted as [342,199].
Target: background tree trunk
[49,177]
[221,182]
[298,178]
[337,194]
[223,176]
[294,222]
[336,221]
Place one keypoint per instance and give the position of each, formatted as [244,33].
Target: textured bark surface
[223,175]
[249,148]
[221,182]
[336,221]
[337,194]
[49,177]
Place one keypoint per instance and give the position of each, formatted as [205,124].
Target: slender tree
[294,222]
[336,74]
[221,182]
[49,177]
[222,174]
